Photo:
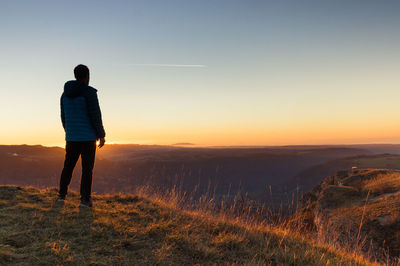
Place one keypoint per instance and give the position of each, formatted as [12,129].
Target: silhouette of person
[81,119]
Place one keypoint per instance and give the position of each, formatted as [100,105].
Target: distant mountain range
[265,174]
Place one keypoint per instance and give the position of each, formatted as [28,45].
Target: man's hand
[101,142]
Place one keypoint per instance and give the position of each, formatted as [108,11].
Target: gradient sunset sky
[206,72]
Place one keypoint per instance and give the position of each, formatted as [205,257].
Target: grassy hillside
[128,229]
[362,205]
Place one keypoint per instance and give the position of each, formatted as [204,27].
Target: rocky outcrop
[360,206]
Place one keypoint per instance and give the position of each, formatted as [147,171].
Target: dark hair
[81,72]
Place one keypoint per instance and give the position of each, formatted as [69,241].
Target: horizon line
[213,146]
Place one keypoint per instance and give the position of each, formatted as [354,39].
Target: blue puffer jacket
[80,112]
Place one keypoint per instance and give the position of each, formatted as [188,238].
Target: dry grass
[381,184]
[130,229]
[361,210]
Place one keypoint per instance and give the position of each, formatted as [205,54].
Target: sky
[210,72]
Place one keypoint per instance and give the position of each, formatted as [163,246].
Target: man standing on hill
[81,119]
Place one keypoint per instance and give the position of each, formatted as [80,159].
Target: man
[81,119]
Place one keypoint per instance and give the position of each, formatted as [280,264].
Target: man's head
[81,73]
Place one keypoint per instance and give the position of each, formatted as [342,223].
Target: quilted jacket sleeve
[95,113]
[62,111]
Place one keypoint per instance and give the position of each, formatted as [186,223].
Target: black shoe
[86,203]
[61,199]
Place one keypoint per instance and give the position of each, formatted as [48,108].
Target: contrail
[166,65]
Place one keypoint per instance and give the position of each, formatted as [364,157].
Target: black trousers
[87,151]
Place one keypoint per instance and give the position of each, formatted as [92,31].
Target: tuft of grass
[383,183]
[133,229]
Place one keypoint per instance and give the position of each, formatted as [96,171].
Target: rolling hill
[274,176]
[121,168]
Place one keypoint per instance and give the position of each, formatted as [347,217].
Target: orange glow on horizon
[306,134]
